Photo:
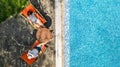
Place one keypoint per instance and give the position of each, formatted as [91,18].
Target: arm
[44,42]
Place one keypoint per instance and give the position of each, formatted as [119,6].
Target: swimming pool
[94,33]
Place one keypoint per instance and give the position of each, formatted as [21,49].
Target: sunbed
[30,7]
[31,61]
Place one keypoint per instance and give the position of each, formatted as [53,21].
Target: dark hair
[29,12]
[51,31]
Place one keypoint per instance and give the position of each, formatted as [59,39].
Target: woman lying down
[44,35]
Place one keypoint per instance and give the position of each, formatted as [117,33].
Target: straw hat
[43,34]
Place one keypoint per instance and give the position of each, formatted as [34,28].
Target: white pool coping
[58,33]
[62,33]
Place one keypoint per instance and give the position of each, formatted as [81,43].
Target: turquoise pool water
[94,33]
